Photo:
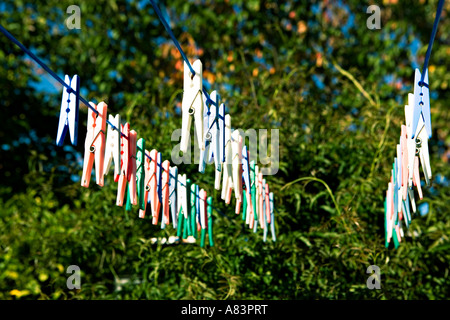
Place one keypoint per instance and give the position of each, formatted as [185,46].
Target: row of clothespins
[412,149]
[149,180]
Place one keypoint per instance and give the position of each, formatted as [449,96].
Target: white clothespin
[227,182]
[222,132]
[173,181]
[192,104]
[272,217]
[411,143]
[182,194]
[421,104]
[113,146]
[214,146]
[209,115]
[422,146]
[203,213]
[68,116]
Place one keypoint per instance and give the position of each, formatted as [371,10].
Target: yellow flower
[19,293]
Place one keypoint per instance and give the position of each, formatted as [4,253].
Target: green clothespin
[394,237]
[253,188]
[128,206]
[180,223]
[193,211]
[188,209]
[210,221]
[140,172]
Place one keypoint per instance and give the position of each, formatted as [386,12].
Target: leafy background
[334,89]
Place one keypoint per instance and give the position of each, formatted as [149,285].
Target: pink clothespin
[267,203]
[94,146]
[165,191]
[132,140]
[124,159]
[154,199]
[261,200]
[146,182]
[203,211]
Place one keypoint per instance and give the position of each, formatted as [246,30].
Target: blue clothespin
[68,117]
[421,103]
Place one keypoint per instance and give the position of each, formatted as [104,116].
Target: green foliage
[337,144]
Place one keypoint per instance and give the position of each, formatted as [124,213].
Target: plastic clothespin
[132,141]
[165,191]
[124,159]
[209,115]
[203,217]
[416,178]
[173,181]
[267,202]
[399,179]
[422,148]
[222,131]
[112,151]
[140,173]
[214,146]
[261,195]
[197,208]
[227,182]
[182,195]
[404,150]
[272,217]
[158,187]
[153,186]
[193,212]
[246,177]
[421,104]
[192,105]
[210,221]
[94,145]
[237,167]
[265,223]
[411,143]
[147,177]
[390,210]
[68,116]
[253,192]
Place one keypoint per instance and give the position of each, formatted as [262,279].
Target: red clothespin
[124,167]
[94,146]
[154,199]
[132,141]
[165,191]
[146,182]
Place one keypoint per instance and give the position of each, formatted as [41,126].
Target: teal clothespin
[193,212]
[140,173]
[210,222]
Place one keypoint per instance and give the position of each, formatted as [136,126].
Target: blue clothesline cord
[430,45]
[56,77]
[177,44]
